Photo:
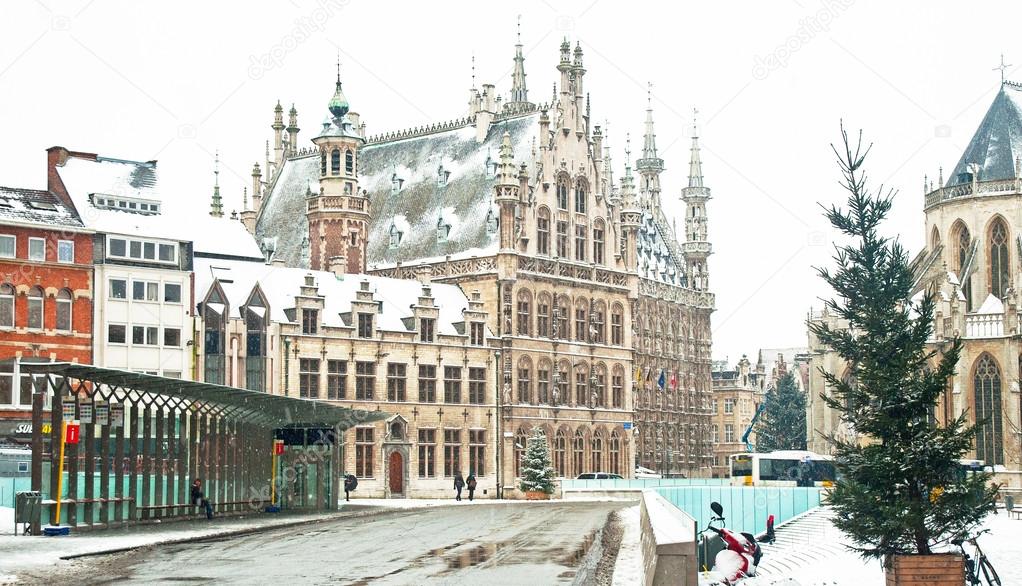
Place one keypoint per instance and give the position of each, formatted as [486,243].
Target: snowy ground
[628,569]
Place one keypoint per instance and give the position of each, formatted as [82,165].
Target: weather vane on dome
[1002,67]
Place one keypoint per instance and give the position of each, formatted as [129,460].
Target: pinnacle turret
[519,93]
[216,206]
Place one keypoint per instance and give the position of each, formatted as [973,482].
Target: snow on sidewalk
[628,567]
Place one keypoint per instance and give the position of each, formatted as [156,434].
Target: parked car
[598,476]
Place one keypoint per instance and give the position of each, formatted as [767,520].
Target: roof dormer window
[491,222]
[395,236]
[443,230]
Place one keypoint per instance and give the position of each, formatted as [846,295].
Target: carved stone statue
[507,393]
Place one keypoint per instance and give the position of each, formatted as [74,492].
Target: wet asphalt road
[523,543]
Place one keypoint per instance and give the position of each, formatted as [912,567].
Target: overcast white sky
[175,81]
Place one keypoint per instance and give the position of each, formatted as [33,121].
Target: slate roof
[33,206]
[179,218]
[280,285]
[997,142]
[421,203]
[657,259]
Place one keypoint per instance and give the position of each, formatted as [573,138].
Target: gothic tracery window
[562,192]
[1000,273]
[989,420]
[962,242]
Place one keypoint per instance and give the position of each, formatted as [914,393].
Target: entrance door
[397,473]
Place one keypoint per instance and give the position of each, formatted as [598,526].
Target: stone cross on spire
[1002,67]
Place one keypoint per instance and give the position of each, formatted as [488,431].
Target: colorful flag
[662,380]
[674,379]
[638,375]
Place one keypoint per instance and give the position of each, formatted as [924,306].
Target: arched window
[521,441]
[524,313]
[615,453]
[562,192]
[1000,271]
[255,342]
[543,382]
[617,387]
[617,324]
[6,306]
[581,236]
[560,447]
[600,385]
[934,238]
[335,162]
[581,322]
[562,384]
[962,242]
[580,196]
[525,380]
[214,314]
[64,310]
[543,231]
[562,315]
[596,454]
[36,304]
[581,384]
[578,452]
[543,316]
[322,163]
[989,421]
[597,329]
[349,162]
[599,236]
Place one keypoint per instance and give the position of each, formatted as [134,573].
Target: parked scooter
[735,555]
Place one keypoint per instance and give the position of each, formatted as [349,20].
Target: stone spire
[507,192]
[697,245]
[216,206]
[630,213]
[650,165]
[292,130]
[278,136]
[519,94]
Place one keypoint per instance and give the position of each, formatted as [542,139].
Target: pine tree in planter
[537,475]
[900,490]
[782,425]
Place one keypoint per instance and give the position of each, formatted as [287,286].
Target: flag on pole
[662,380]
[674,380]
[638,375]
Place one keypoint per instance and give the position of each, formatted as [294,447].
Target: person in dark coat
[459,483]
[470,484]
[199,499]
[350,484]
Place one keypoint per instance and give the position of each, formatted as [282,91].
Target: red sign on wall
[278,447]
[71,436]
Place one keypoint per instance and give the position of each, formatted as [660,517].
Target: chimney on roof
[338,265]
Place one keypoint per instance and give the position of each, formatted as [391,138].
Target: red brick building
[46,287]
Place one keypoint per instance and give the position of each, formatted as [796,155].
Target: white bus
[782,468]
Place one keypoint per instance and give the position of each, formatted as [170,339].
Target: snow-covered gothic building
[972,260]
[598,313]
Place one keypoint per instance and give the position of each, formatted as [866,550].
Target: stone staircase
[804,541]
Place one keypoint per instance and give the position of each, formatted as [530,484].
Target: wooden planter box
[940,569]
[536,495]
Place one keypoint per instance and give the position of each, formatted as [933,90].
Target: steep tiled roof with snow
[32,206]
[997,142]
[461,200]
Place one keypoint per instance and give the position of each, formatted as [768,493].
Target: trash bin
[27,510]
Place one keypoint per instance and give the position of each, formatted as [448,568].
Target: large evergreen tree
[901,489]
[536,472]
[782,424]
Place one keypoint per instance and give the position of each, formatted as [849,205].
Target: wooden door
[397,473]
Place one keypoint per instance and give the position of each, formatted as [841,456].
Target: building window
[35,308]
[963,242]
[145,291]
[580,242]
[581,385]
[617,387]
[452,384]
[543,383]
[729,405]
[335,162]
[477,386]
[581,324]
[396,375]
[427,453]
[562,384]
[118,289]
[365,325]
[452,452]
[8,246]
[597,330]
[427,383]
[598,247]
[6,306]
[714,407]
[596,455]
[145,335]
[1000,271]
[322,163]
[427,327]
[365,380]
[580,198]
[214,311]
[989,420]
[168,252]
[363,451]
[617,325]
[600,386]
[714,433]
[65,251]
[477,452]
[524,323]
[562,239]
[563,318]
[172,293]
[255,340]
[729,432]
[116,334]
[521,440]
[349,162]
[477,333]
[615,453]
[308,378]
[543,316]
[310,321]
[117,247]
[37,249]
[336,379]
[543,231]
[172,338]
[524,382]
[562,192]
[578,452]
[560,447]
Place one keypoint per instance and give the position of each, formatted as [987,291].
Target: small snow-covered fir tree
[782,425]
[537,473]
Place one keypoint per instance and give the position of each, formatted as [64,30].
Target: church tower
[650,165]
[697,245]
[338,212]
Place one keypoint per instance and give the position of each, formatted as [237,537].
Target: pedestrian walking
[350,484]
[199,499]
[459,483]
[470,484]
